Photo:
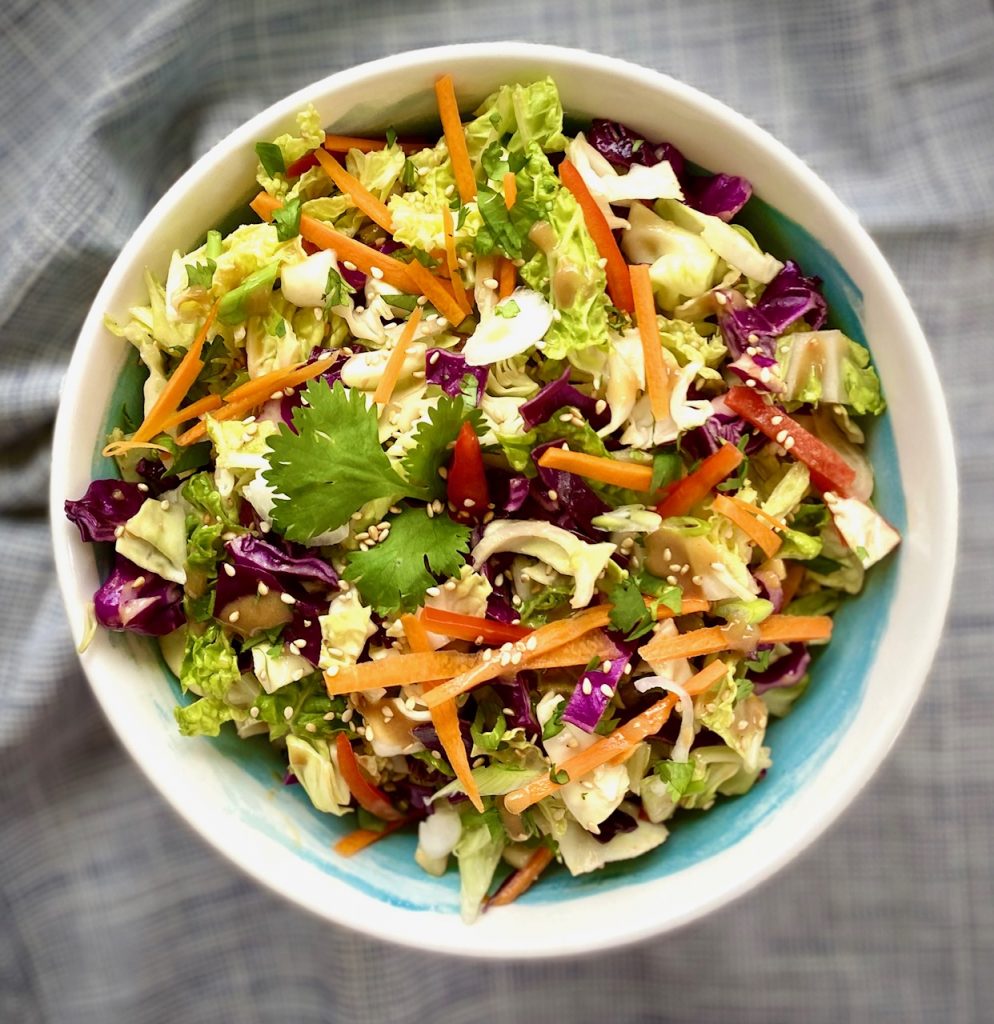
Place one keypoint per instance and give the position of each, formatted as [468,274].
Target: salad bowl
[231,792]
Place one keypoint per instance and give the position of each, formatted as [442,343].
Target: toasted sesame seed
[782,436]
[751,350]
[488,518]
[138,583]
[349,265]
[627,670]
[288,598]
[333,671]
[587,687]
[431,318]
[671,580]
[344,586]
[468,503]
[776,420]
[516,601]
[254,711]
[516,658]
[553,495]
[488,655]
[264,527]
[370,735]
[360,310]
[667,554]
[531,643]
[449,585]
[347,715]
[387,714]
[377,273]
[479,762]
[478,639]
[118,531]
[490,282]
[556,315]
[505,659]
[602,263]
[720,299]
[674,566]
[606,666]
[433,592]
[788,444]
[697,580]
[288,713]
[422,300]
[599,406]
[430,511]
[750,383]
[606,690]
[143,488]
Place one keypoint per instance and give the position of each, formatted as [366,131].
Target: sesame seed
[449,585]
[438,506]
[422,300]
[387,714]
[531,643]
[488,655]
[556,315]
[553,495]
[697,580]
[478,762]
[505,659]
[234,616]
[288,713]
[627,670]
[478,639]
[468,503]
[602,263]
[565,417]
[516,658]
[254,711]
[606,690]
[674,567]
[599,406]
[782,436]
[667,554]
[138,583]
[344,586]
[229,569]
[606,666]
[717,565]
[288,599]
[349,265]
[333,671]
[671,580]
[516,601]
[370,735]
[264,527]
[374,533]
[430,510]
[776,421]
[788,444]
[431,318]
[118,531]
[750,383]
[143,488]
[751,350]
[377,273]
[360,310]
[488,518]
[572,741]
[720,299]
[490,282]
[433,592]
[499,580]
[587,687]
[346,715]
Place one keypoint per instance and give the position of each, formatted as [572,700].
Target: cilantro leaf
[630,614]
[336,290]
[200,275]
[394,574]
[287,220]
[332,466]
[432,440]
[271,157]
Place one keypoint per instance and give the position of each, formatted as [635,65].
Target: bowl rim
[488,942]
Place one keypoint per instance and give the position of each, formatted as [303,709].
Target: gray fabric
[112,911]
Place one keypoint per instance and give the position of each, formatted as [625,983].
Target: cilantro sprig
[393,575]
[630,614]
[334,463]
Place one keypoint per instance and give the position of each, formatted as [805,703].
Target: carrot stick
[343,143]
[632,475]
[507,279]
[372,207]
[397,670]
[252,398]
[697,485]
[471,627]
[178,384]
[324,237]
[436,292]
[358,840]
[755,510]
[619,285]
[391,373]
[523,879]
[452,262]
[455,138]
[657,377]
[193,411]
[510,189]
[445,718]
[610,747]
[758,532]
[713,639]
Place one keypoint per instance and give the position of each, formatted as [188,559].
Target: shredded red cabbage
[449,369]
[106,505]
[557,395]
[138,601]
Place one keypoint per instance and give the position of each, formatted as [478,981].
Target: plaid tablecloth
[111,910]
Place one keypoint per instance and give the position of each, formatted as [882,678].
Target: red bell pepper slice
[366,794]
[467,480]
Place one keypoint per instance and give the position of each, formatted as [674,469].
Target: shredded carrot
[445,717]
[193,411]
[508,278]
[657,376]
[755,510]
[397,670]
[523,879]
[115,448]
[694,487]
[784,629]
[510,189]
[350,845]
[276,380]
[471,627]
[795,573]
[455,138]
[452,262]
[633,475]
[436,293]
[610,747]
[759,533]
[391,373]
[254,393]
[178,384]
[372,207]
[324,237]
[619,284]
[343,143]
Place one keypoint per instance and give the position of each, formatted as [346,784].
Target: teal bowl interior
[799,743]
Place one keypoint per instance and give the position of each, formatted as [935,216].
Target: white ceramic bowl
[823,753]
